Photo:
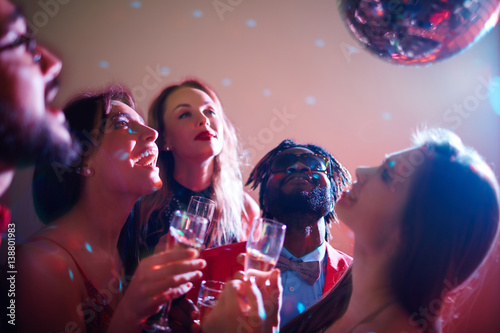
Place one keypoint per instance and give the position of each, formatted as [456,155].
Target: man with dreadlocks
[299,185]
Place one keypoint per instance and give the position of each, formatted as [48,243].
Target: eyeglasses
[28,40]
[314,162]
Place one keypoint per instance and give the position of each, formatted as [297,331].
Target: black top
[137,242]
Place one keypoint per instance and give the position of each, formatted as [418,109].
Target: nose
[298,167]
[50,64]
[362,173]
[203,121]
[148,133]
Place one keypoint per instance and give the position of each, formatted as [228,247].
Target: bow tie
[307,270]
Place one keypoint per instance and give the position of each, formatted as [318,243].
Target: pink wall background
[283,69]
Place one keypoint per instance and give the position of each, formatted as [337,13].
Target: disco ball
[418,32]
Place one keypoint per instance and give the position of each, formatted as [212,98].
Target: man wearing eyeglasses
[29,128]
[299,185]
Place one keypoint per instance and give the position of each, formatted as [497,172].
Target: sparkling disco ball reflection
[415,32]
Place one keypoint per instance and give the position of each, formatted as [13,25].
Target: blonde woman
[199,155]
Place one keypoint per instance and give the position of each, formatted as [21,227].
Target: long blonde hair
[226,178]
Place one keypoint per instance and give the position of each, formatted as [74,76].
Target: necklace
[372,315]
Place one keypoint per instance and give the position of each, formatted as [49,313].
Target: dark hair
[226,179]
[57,186]
[449,225]
[338,175]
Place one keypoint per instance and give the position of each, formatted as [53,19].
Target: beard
[299,208]
[23,141]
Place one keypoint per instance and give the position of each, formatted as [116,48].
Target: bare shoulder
[50,288]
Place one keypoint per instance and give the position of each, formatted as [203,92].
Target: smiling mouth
[299,177]
[51,90]
[147,158]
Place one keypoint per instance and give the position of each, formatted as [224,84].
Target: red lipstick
[204,136]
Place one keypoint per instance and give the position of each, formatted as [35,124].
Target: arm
[252,210]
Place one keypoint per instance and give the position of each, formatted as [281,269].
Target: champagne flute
[208,295]
[264,244]
[186,231]
[201,206]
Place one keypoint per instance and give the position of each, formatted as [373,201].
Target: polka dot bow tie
[307,270]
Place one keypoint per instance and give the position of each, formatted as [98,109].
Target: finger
[249,299]
[176,281]
[240,275]
[260,277]
[241,258]
[172,255]
[170,283]
[259,302]
[159,272]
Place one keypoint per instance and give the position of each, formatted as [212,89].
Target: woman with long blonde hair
[199,155]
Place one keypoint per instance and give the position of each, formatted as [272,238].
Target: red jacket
[222,265]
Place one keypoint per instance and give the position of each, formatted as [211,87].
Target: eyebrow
[189,105]
[11,19]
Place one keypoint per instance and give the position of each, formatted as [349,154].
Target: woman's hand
[269,284]
[158,279]
[249,305]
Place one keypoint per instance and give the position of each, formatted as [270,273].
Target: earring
[167,148]
[84,171]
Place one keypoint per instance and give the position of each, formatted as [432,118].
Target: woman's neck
[99,217]
[371,294]
[193,174]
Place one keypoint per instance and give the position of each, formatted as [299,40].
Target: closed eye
[386,177]
[184,115]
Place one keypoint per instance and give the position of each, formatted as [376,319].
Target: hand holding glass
[186,231]
[264,244]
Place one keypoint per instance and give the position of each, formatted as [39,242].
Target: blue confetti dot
[494,94]
[386,116]
[251,23]
[352,49]
[226,82]
[136,4]
[104,64]
[70,274]
[165,70]
[301,307]
[320,43]
[266,92]
[88,247]
[197,13]
[310,100]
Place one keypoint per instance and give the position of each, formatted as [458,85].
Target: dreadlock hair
[338,175]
